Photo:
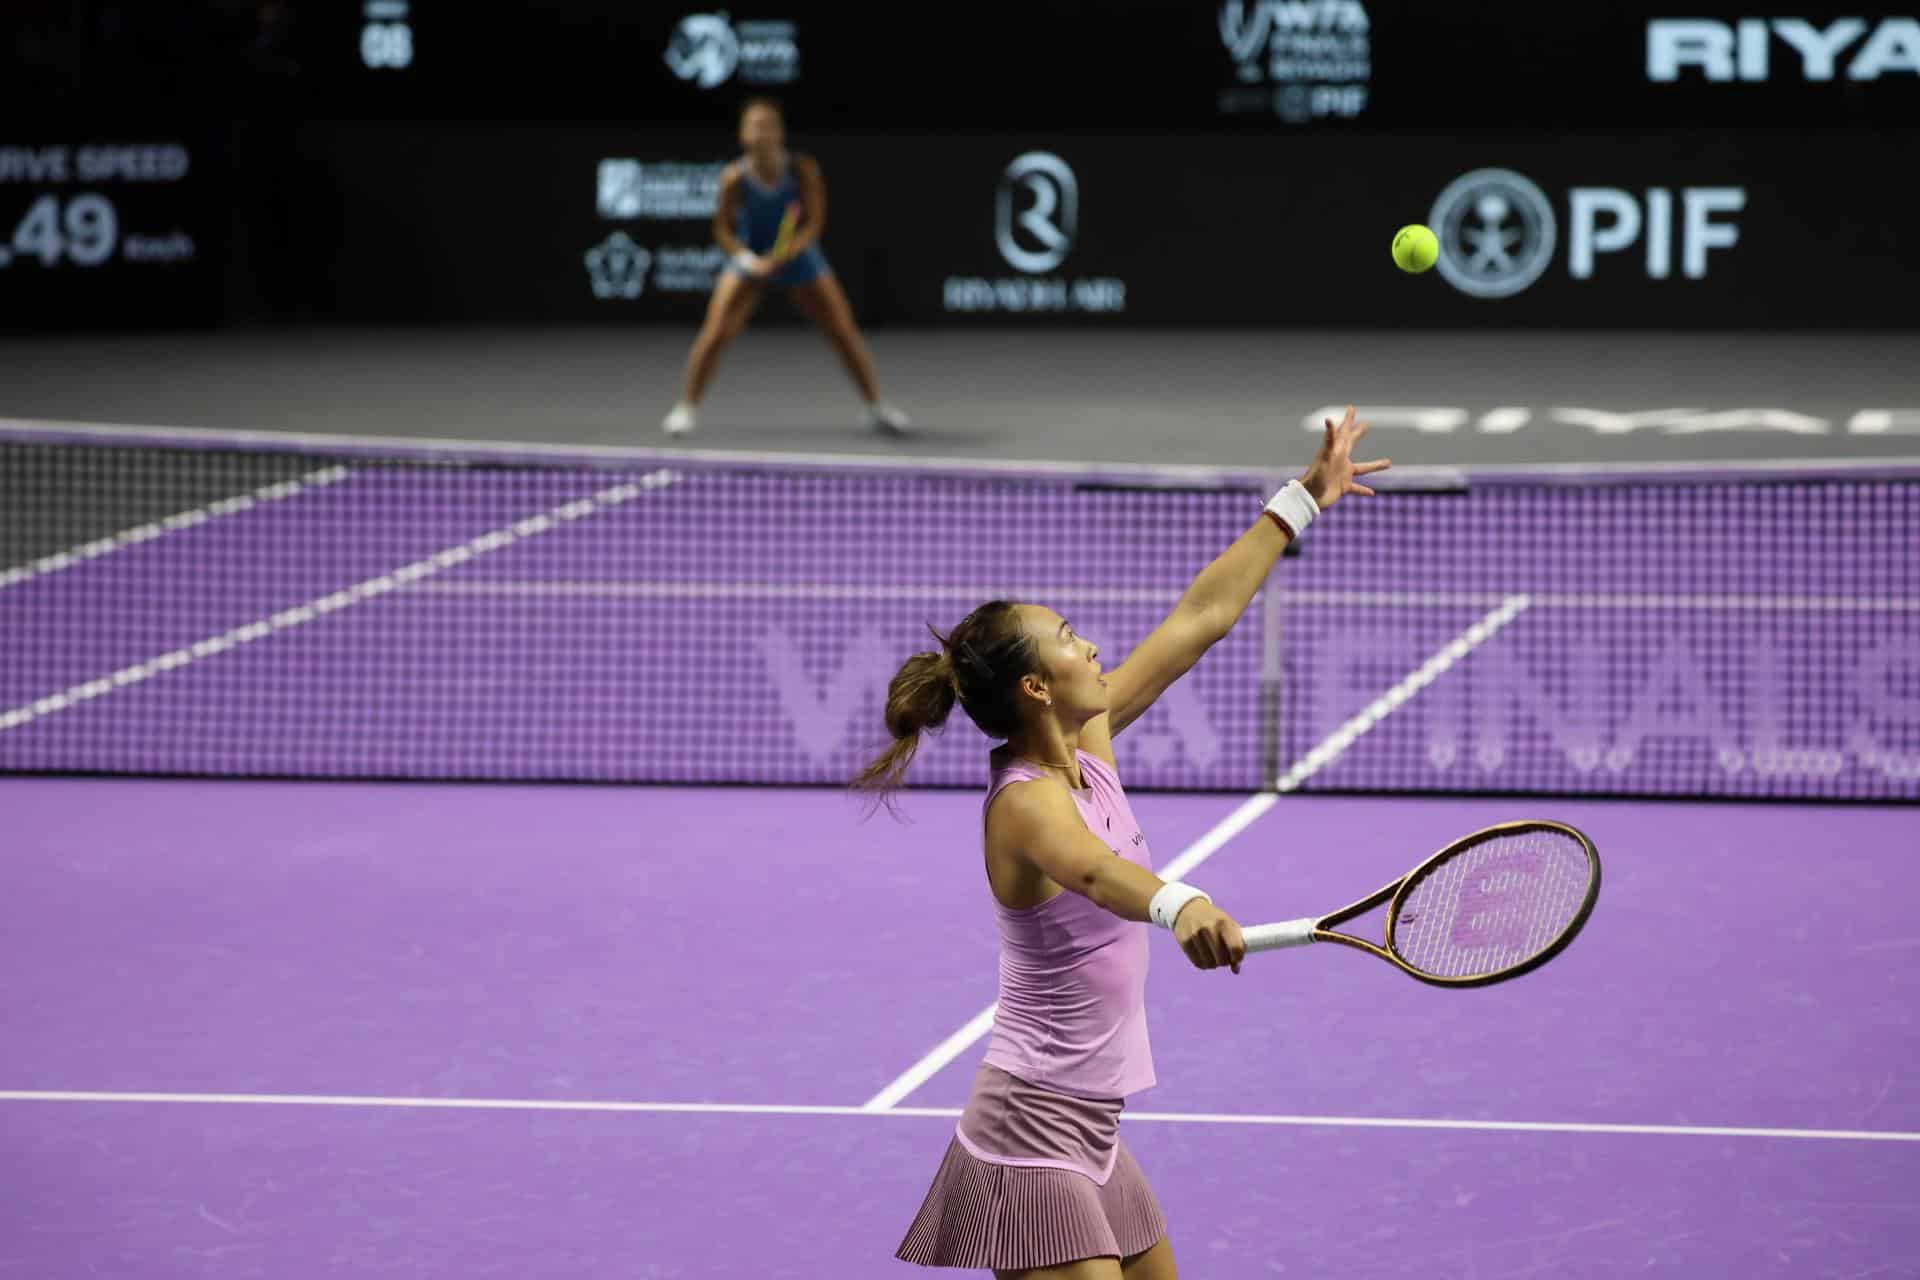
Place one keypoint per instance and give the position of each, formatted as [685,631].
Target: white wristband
[1172,896]
[1295,507]
[744,260]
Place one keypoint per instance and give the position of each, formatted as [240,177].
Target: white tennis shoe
[682,419]
[887,420]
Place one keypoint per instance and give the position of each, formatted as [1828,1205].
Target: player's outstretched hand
[1331,476]
[1209,936]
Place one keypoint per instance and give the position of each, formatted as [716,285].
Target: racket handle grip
[1272,937]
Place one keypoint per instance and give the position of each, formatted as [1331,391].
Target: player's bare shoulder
[805,167]
[1020,816]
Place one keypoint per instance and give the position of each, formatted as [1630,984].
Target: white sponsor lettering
[1723,52]
[1609,219]
[664,191]
[1046,295]
[1736,707]
[1506,419]
[836,714]
[1880,422]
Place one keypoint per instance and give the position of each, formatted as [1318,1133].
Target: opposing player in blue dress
[771,210]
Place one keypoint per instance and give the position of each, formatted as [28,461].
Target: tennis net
[249,605]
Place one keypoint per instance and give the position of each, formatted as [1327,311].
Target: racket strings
[1493,906]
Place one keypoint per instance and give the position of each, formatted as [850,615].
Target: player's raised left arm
[1210,606]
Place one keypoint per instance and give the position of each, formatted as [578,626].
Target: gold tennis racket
[1488,907]
[789,223]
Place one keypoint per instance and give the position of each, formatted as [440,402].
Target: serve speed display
[84,226]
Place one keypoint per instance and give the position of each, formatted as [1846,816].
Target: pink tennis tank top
[1073,976]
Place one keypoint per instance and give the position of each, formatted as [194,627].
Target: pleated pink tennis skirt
[1049,1208]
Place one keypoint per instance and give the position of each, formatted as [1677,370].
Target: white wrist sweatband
[1166,904]
[1295,507]
[744,260]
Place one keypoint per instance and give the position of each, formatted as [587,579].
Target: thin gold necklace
[1048,764]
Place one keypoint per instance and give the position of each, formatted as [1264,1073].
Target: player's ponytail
[978,665]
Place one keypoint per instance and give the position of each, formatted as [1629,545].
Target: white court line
[956,1044]
[903,1085]
[321,606]
[1336,743]
[800,591]
[170,524]
[777,1109]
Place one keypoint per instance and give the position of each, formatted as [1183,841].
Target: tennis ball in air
[1415,248]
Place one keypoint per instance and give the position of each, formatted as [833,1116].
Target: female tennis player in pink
[1036,1181]
[771,211]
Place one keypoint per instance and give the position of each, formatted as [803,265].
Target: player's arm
[726,213]
[1040,822]
[1219,595]
[813,204]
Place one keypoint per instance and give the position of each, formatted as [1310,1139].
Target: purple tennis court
[327,974]
[660,1013]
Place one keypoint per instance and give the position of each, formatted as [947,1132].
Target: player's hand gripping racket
[1488,907]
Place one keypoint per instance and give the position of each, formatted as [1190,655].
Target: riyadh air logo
[1038,212]
[1496,233]
[617,267]
[1036,225]
[1750,49]
[704,50]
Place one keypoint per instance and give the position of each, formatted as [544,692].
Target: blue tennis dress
[758,226]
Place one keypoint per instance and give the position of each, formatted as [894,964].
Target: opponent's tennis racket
[1488,907]
[789,223]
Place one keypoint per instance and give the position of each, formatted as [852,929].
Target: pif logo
[1498,231]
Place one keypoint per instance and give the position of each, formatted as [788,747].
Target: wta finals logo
[707,48]
[1300,60]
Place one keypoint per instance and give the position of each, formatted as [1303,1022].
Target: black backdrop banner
[1045,65]
[1666,229]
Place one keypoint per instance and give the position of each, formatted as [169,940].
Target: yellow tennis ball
[1415,248]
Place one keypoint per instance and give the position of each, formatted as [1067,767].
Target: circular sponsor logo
[704,49]
[1037,212]
[1496,232]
